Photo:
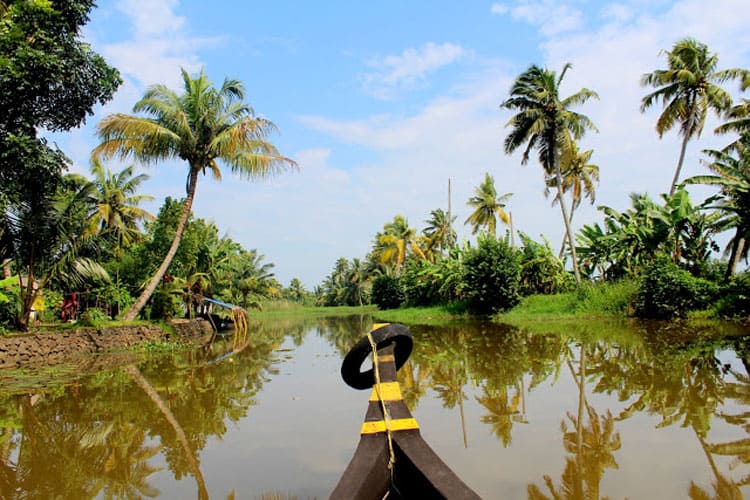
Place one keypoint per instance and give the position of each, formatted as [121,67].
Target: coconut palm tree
[488,207]
[47,239]
[253,279]
[688,89]
[116,211]
[738,120]
[545,122]
[439,230]
[579,178]
[202,126]
[732,174]
[396,241]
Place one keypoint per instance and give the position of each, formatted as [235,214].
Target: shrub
[541,270]
[387,292]
[735,298]
[614,297]
[667,292]
[165,305]
[93,317]
[53,304]
[492,273]
[10,302]
[420,284]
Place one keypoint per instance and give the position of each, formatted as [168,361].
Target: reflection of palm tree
[725,489]
[448,382]
[78,460]
[413,383]
[500,411]
[126,467]
[139,379]
[7,469]
[590,448]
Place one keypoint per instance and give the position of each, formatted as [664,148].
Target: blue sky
[381,103]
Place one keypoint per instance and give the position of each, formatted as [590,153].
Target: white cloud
[499,8]
[152,17]
[334,205]
[551,16]
[461,137]
[611,60]
[158,43]
[404,71]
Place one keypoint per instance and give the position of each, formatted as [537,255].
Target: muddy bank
[39,349]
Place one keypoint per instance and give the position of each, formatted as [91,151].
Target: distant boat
[391,458]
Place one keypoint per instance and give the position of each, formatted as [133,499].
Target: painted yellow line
[375,326]
[387,358]
[386,391]
[399,424]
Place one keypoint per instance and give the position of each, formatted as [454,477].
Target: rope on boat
[386,413]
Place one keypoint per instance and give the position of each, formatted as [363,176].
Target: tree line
[62,232]
[672,237]
[58,230]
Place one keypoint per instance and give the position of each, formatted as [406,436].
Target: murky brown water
[565,411]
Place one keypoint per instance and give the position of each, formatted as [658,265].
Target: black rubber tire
[384,336]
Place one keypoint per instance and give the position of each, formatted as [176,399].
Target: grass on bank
[290,309]
[422,315]
[593,301]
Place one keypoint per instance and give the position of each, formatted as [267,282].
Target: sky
[381,103]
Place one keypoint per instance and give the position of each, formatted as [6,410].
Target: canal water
[570,410]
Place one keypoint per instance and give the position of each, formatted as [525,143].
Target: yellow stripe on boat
[399,424]
[386,391]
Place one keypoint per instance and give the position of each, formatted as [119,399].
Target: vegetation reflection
[652,369]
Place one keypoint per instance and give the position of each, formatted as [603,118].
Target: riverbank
[46,348]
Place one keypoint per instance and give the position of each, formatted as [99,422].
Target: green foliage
[735,298]
[93,317]
[297,293]
[165,304]
[632,240]
[492,276]
[49,79]
[667,292]
[420,284]
[10,302]
[541,270]
[53,303]
[387,292]
[347,285]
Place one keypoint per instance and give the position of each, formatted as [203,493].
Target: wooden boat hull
[412,469]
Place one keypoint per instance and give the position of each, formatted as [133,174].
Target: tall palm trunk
[151,287]
[565,236]
[689,130]
[679,164]
[738,248]
[566,220]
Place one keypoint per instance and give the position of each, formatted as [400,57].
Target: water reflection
[570,403]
